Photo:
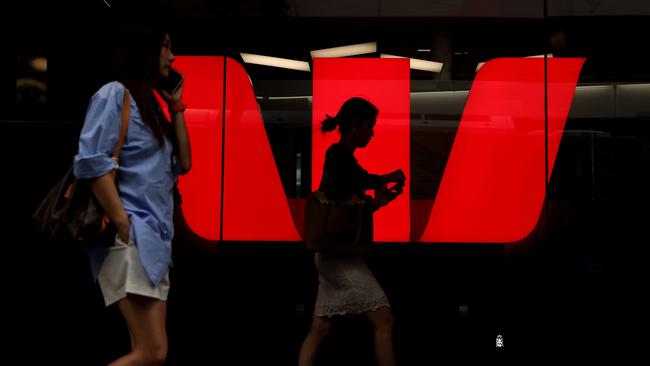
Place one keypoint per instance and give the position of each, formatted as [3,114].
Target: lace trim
[350,309]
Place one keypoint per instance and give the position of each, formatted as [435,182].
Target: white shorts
[122,274]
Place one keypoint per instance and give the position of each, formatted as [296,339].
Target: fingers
[179,92]
[399,175]
[164,94]
[386,195]
[171,99]
[177,96]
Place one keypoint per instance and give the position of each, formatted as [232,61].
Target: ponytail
[329,124]
[353,111]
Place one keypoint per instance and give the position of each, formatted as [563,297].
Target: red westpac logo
[493,185]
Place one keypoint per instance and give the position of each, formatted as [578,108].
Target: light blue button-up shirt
[146,177]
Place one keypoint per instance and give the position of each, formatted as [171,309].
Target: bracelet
[178,107]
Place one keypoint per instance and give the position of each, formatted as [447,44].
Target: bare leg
[320,329]
[382,321]
[132,339]
[145,318]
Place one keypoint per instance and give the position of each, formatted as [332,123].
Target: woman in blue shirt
[134,272]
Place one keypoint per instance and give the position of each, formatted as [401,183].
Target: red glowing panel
[386,84]
[493,186]
[255,204]
[201,187]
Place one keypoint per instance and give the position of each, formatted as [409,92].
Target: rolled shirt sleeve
[100,132]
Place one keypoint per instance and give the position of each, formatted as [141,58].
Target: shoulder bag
[71,212]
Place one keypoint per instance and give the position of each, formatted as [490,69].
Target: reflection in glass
[31,81]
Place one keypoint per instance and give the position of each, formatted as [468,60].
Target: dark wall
[230,298]
[574,286]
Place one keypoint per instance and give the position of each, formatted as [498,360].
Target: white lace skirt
[346,286]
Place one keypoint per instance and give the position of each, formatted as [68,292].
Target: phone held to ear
[171,83]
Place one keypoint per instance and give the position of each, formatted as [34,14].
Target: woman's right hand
[385,195]
[124,230]
[105,191]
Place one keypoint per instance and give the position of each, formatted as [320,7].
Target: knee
[322,329]
[158,356]
[154,356]
[384,325]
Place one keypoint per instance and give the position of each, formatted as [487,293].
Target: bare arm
[396,176]
[106,193]
[180,129]
[183,141]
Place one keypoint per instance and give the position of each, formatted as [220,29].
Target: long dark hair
[136,64]
[353,111]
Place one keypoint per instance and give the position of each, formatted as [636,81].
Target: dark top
[343,176]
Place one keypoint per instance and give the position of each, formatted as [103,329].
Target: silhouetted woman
[346,285]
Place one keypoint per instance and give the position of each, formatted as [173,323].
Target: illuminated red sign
[493,185]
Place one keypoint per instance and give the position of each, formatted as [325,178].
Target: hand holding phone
[171,83]
[386,194]
[397,188]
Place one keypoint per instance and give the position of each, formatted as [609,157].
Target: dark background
[573,288]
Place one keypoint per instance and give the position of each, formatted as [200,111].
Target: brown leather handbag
[71,212]
[338,226]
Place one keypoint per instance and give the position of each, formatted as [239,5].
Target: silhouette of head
[355,120]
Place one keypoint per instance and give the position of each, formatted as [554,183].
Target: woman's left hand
[172,99]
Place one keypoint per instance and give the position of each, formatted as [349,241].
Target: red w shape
[493,186]
[492,189]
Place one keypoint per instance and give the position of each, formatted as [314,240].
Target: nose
[172,58]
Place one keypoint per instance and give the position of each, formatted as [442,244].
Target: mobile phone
[171,83]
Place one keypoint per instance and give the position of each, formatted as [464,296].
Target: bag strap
[355,201]
[124,127]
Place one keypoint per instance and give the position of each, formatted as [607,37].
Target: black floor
[250,304]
